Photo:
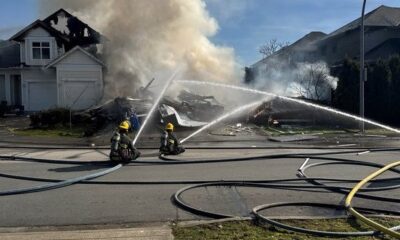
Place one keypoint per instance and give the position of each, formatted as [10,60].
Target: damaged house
[52,63]
[382,39]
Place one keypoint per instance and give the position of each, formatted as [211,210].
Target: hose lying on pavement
[59,184]
[359,216]
[181,203]
[178,200]
[315,181]
[278,184]
[263,218]
[169,160]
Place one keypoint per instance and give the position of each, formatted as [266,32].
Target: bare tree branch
[271,47]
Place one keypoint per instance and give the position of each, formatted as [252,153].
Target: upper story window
[40,50]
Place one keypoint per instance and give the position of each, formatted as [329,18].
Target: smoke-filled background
[149,39]
[304,79]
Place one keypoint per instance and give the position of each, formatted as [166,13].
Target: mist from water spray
[225,116]
[155,105]
[324,108]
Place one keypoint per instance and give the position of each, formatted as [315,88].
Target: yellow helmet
[169,126]
[124,125]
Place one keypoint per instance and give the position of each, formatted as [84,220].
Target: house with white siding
[52,63]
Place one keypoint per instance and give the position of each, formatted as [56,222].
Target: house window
[41,50]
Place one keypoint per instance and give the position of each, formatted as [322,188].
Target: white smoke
[148,38]
[302,79]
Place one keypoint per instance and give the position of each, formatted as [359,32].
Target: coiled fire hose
[361,217]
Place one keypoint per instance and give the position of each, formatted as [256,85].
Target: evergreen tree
[378,93]
[346,95]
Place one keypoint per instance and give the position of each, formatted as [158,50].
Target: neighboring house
[52,63]
[382,38]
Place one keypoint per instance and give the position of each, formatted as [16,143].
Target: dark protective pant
[172,150]
[114,156]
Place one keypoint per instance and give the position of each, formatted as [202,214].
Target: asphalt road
[116,204]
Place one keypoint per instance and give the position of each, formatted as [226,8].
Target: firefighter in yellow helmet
[122,149]
[169,142]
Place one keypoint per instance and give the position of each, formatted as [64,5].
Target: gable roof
[382,16]
[76,27]
[80,33]
[77,48]
[19,35]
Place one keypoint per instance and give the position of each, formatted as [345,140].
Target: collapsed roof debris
[196,107]
[188,110]
[112,112]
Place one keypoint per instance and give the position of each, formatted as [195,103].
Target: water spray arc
[155,105]
[324,108]
[237,110]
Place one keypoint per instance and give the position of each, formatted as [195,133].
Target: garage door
[80,94]
[41,95]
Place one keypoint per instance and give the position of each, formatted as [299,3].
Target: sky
[244,25]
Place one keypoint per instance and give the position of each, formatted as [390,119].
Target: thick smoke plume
[148,38]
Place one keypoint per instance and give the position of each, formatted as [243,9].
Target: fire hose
[277,183]
[358,215]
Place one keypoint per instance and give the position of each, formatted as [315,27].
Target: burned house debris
[200,108]
[280,113]
[196,107]
[187,110]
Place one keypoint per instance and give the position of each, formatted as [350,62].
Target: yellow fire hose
[360,217]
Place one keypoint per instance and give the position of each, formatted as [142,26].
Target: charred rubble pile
[280,113]
[186,110]
[189,110]
[194,108]
[111,113]
[276,112]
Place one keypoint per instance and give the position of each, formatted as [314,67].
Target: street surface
[117,204]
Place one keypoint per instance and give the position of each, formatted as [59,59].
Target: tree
[314,82]
[378,92]
[271,47]
[394,65]
[346,95]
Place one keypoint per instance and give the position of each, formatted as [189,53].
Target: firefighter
[169,143]
[122,149]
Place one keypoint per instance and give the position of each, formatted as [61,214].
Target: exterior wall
[34,78]
[79,80]
[38,34]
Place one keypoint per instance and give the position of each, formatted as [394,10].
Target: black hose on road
[263,218]
[59,184]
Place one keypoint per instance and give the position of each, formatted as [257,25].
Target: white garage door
[41,95]
[80,94]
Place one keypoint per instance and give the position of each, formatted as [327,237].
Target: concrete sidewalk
[148,233]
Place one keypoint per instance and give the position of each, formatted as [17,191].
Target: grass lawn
[75,132]
[247,230]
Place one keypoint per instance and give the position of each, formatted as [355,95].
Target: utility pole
[362,66]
